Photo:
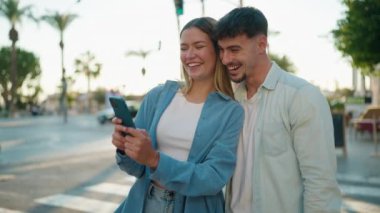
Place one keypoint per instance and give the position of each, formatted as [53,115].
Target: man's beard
[237,81]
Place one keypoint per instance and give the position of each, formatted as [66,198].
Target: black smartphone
[121,111]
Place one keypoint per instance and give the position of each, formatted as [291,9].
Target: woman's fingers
[116,120]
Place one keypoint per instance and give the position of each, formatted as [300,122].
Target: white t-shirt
[241,197]
[176,128]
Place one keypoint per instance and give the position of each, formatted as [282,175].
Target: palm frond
[58,20]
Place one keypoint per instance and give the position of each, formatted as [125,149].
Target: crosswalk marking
[359,206]
[92,205]
[358,179]
[110,188]
[78,203]
[360,190]
[131,179]
[2,210]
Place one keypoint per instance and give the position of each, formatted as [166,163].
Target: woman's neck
[199,91]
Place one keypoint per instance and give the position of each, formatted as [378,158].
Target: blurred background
[60,60]
[130,46]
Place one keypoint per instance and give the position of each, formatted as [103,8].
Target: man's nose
[225,57]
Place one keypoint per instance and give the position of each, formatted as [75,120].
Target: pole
[64,83]
[203,7]
[374,129]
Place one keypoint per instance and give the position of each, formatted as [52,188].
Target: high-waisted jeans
[159,200]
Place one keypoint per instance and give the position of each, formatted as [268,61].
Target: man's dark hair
[243,20]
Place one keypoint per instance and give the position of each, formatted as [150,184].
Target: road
[48,166]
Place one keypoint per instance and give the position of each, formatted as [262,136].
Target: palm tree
[61,21]
[11,10]
[87,65]
[141,53]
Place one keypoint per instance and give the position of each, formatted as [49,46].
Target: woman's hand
[118,139]
[138,146]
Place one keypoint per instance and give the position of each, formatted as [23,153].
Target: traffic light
[178,7]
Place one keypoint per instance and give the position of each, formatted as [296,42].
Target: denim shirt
[294,162]
[198,182]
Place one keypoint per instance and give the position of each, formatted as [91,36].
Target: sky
[109,29]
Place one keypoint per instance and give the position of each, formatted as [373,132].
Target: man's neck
[257,77]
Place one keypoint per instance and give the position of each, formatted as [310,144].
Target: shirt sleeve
[313,139]
[143,120]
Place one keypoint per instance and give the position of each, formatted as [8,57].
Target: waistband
[160,192]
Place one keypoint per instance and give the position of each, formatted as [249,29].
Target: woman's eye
[234,50]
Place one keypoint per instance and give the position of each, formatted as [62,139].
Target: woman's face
[197,54]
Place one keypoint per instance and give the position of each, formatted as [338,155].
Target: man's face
[240,54]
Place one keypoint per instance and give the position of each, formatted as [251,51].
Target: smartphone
[121,111]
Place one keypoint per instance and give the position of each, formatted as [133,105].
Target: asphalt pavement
[358,173]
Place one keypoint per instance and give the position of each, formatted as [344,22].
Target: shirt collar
[270,82]
[272,77]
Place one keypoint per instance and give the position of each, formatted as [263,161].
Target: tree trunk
[5,95]
[13,35]
[88,93]
[375,87]
[63,100]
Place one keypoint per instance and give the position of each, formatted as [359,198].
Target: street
[48,166]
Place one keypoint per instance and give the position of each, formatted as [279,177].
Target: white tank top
[177,125]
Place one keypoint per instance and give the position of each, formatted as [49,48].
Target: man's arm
[313,138]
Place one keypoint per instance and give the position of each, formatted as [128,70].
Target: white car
[107,114]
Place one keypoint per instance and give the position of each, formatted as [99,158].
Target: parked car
[107,114]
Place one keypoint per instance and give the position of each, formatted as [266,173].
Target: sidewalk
[359,174]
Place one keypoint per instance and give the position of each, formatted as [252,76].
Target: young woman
[183,151]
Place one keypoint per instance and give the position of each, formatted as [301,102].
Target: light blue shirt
[294,162]
[198,182]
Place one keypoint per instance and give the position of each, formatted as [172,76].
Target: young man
[286,156]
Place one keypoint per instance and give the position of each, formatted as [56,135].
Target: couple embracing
[270,139]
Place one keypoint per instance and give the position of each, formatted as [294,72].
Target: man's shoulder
[293,81]
[289,82]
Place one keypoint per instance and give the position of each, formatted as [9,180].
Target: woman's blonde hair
[222,82]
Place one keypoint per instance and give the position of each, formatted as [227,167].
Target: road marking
[350,205]
[78,203]
[16,123]
[130,179]
[10,143]
[358,179]
[110,188]
[360,190]
[6,177]
[2,210]
[59,162]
